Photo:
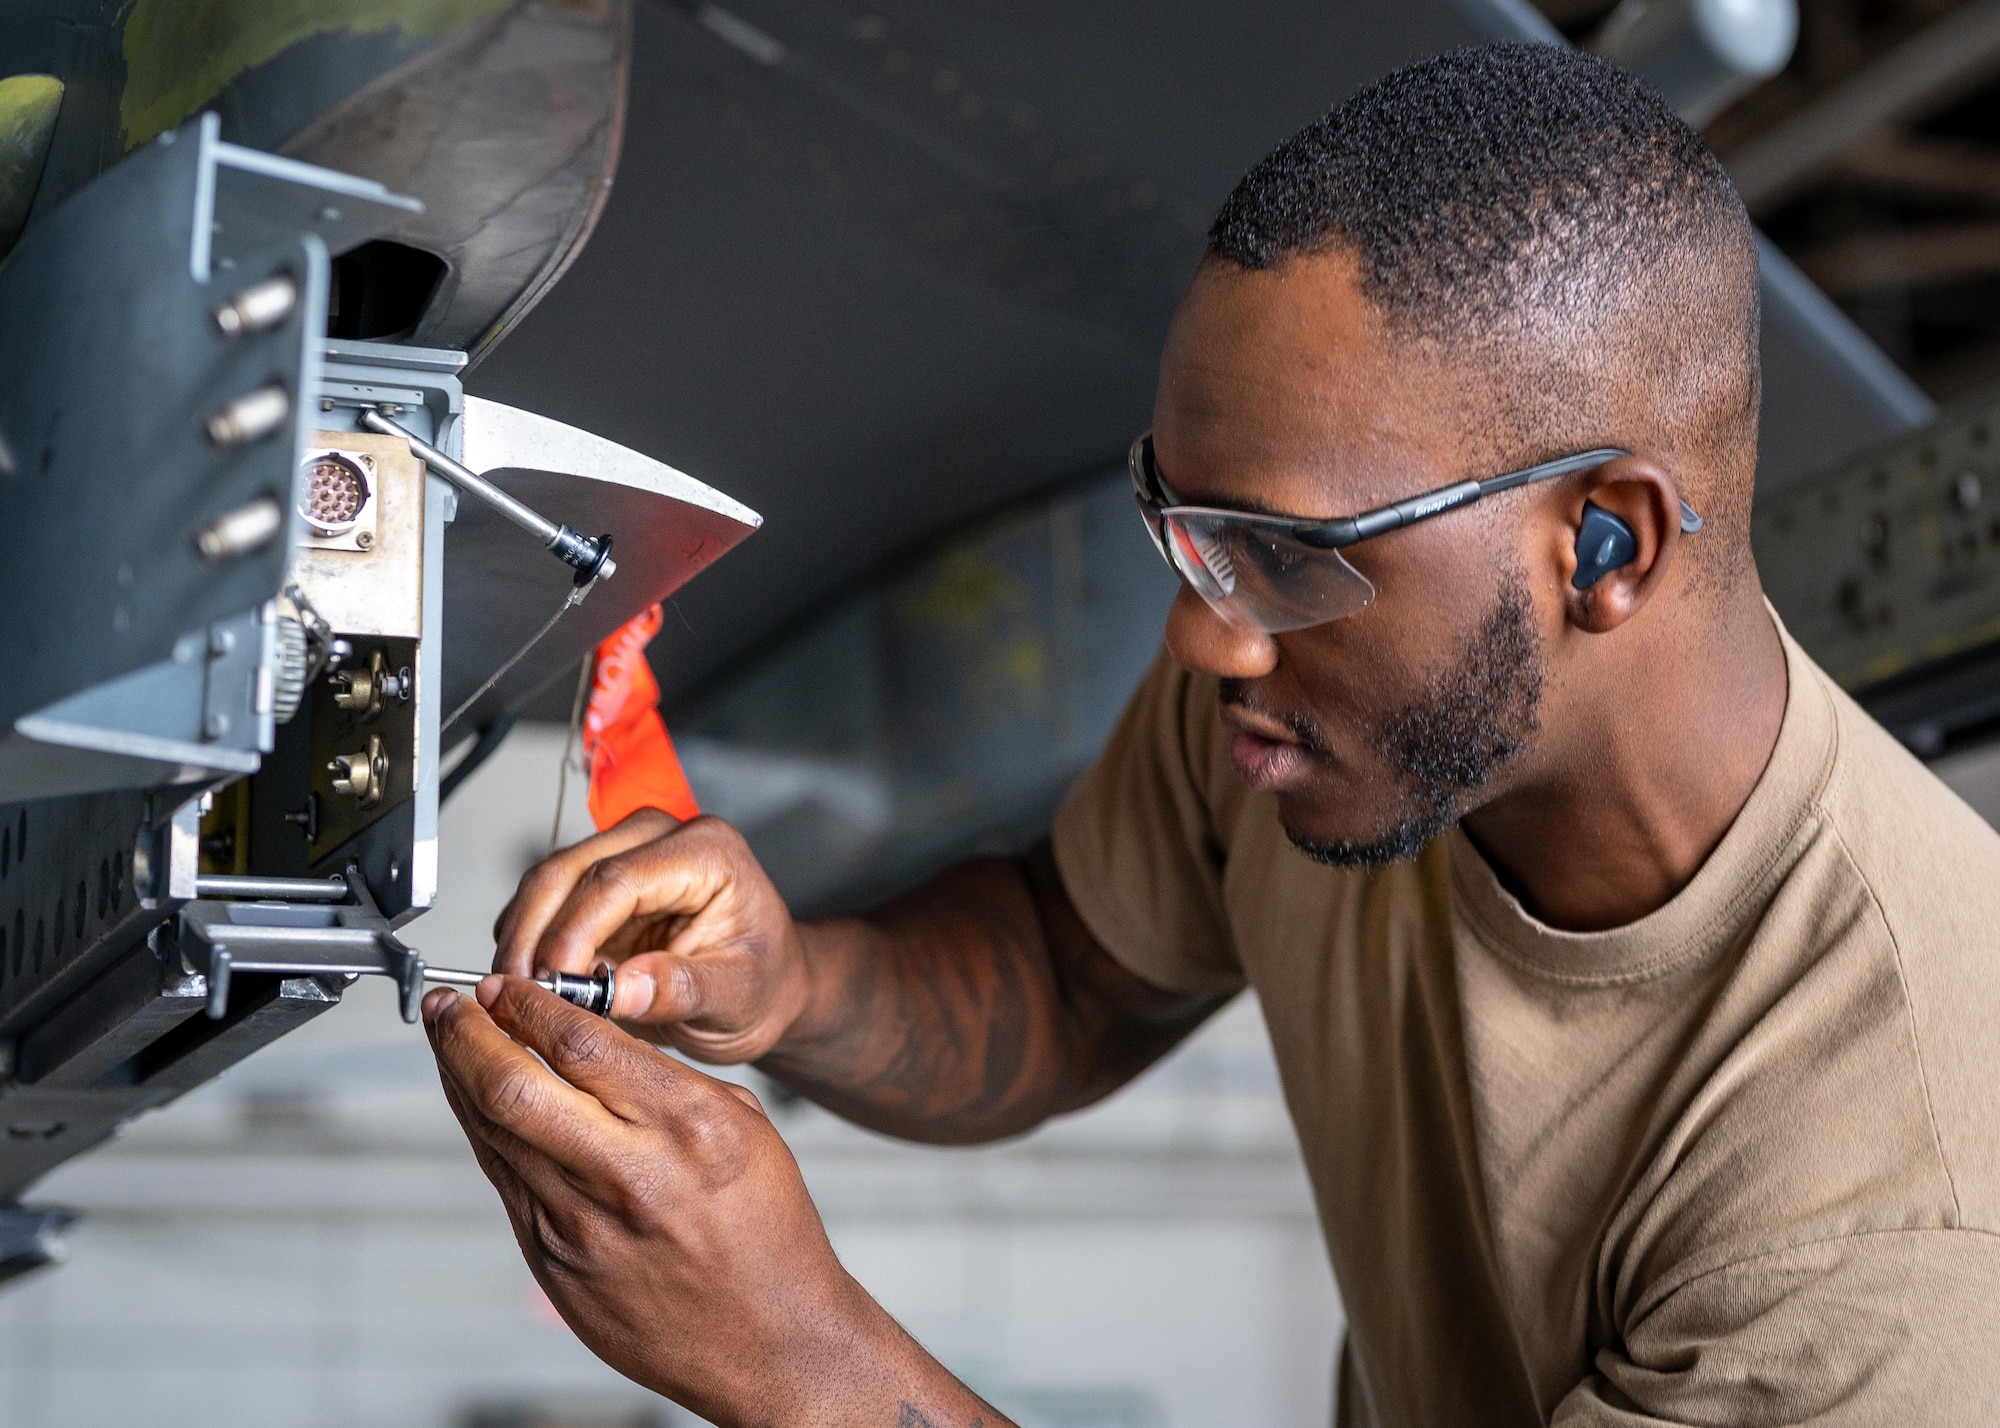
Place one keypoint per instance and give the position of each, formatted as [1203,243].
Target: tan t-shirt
[1736,1163]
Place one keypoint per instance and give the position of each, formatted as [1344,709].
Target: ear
[1646,502]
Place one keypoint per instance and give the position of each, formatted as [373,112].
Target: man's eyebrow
[1262,508]
[1249,505]
[1255,507]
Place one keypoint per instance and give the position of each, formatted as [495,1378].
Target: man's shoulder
[1926,858]
[1919,871]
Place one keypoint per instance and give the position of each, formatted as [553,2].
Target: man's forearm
[938,1017]
[971,1009]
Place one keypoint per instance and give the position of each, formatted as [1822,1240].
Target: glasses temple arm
[1690,521]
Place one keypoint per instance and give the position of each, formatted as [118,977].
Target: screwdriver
[593,994]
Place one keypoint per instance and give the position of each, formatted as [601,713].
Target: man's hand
[707,953]
[668,1223]
[972,1008]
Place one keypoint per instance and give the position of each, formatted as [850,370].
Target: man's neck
[1624,817]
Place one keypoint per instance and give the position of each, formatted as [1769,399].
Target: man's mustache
[1238,692]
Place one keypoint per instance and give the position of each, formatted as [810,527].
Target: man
[1636,997]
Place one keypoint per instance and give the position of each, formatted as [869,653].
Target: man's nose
[1201,640]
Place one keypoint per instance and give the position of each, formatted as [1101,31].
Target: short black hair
[1532,195]
[1464,179]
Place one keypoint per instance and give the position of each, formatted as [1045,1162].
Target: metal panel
[130,424]
[502,115]
[1887,568]
[378,591]
[134,1041]
[111,359]
[508,130]
[499,587]
[69,906]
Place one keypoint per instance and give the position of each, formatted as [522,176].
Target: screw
[365,540]
[306,819]
[259,307]
[251,417]
[249,527]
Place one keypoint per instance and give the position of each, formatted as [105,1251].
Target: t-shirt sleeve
[1894,1326]
[1138,843]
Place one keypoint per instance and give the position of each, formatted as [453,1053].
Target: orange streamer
[631,759]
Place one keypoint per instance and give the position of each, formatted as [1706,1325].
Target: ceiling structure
[1873,160]
[878,268]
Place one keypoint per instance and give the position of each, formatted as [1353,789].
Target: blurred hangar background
[895,275]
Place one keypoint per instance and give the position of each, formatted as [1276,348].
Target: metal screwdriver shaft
[590,557]
[593,994]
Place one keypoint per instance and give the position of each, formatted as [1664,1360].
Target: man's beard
[1471,719]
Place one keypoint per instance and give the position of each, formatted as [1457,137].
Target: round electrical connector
[336,491]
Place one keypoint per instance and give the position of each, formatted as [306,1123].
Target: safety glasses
[1278,573]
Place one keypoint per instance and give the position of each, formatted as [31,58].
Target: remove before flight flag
[631,760]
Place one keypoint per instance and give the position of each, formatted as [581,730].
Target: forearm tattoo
[974,1008]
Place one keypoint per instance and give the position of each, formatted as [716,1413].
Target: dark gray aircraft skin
[879,268]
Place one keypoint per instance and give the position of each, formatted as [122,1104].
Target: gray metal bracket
[206,708]
[221,938]
[30,1237]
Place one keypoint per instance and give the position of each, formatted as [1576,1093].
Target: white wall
[308,1244]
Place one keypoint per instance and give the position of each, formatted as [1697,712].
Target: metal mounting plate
[500,587]
[112,361]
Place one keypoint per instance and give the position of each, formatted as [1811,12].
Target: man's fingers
[502,1082]
[668,876]
[622,1074]
[548,885]
[513,1188]
[659,987]
[521,1174]
[711,1005]
[630,1078]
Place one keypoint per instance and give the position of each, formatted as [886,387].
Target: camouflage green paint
[28,105]
[179,54]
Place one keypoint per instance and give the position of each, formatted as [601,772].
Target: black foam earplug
[1602,545]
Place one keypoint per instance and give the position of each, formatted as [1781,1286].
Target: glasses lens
[1202,562]
[1253,573]
[1150,514]
[1250,572]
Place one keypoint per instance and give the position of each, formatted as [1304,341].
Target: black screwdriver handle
[593,994]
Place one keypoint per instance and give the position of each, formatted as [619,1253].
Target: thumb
[656,987]
[716,1007]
